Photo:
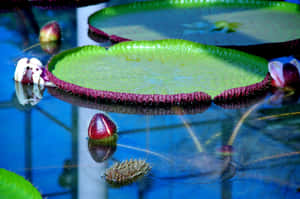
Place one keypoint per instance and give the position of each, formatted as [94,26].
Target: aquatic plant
[31,71]
[102,129]
[13,186]
[126,172]
[285,72]
[159,73]
[11,5]
[50,32]
[206,22]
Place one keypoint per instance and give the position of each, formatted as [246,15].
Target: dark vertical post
[75,150]
[226,185]
[28,146]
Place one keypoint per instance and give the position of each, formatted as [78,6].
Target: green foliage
[158,67]
[13,186]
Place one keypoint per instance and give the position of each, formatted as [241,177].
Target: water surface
[47,143]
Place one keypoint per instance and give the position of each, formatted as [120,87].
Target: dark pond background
[47,143]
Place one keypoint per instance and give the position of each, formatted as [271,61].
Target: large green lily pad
[166,67]
[213,22]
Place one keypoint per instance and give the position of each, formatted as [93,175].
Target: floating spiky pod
[126,172]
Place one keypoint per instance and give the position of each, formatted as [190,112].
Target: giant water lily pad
[213,22]
[11,5]
[166,71]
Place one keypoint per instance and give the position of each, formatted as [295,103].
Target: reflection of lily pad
[262,21]
[167,71]
[127,108]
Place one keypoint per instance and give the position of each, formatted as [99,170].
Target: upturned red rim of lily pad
[129,108]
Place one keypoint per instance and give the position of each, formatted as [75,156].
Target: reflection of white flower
[28,94]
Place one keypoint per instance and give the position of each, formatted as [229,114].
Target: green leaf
[13,186]
[158,67]
[262,21]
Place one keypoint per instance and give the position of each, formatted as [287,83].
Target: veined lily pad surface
[213,22]
[156,71]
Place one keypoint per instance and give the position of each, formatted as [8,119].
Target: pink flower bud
[50,32]
[101,126]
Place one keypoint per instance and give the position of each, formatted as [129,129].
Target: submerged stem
[240,122]
[144,150]
[274,157]
[30,47]
[192,134]
[278,115]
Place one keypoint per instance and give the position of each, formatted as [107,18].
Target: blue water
[47,143]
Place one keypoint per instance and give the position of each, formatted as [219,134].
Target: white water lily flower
[29,71]
[285,74]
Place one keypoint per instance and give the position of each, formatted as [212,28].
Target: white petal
[36,62]
[20,69]
[276,71]
[20,93]
[296,63]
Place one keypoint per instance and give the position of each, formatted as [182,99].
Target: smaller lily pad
[165,71]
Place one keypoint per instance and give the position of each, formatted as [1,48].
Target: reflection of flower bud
[100,152]
[50,32]
[101,127]
[28,93]
[50,47]
[226,150]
